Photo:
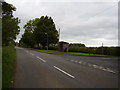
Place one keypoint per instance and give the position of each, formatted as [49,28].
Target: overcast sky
[91,23]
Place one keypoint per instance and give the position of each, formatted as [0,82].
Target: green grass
[8,66]
[83,54]
[0,67]
[70,53]
[44,51]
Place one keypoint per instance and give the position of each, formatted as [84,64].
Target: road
[40,70]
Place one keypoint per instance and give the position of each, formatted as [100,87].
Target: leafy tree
[45,28]
[38,30]
[10,26]
[27,37]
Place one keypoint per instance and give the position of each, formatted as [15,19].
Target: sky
[91,22]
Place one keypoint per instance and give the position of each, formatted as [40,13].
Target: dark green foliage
[78,49]
[45,28]
[37,31]
[77,44]
[10,26]
[113,51]
[28,39]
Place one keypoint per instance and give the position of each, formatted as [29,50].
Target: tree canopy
[10,26]
[38,30]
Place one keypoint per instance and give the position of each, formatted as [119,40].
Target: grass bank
[8,66]
[70,53]
[0,67]
[44,51]
[83,54]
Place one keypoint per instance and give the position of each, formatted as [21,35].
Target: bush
[113,51]
[53,47]
[78,49]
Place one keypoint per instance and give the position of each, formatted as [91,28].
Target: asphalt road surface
[40,70]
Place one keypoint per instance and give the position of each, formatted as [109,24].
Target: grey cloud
[85,22]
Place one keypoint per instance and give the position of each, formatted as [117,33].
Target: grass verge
[8,65]
[0,67]
[71,53]
[83,54]
[44,51]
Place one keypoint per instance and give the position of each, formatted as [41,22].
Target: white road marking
[89,64]
[104,69]
[110,70]
[31,53]
[41,59]
[101,67]
[76,61]
[80,62]
[96,66]
[64,72]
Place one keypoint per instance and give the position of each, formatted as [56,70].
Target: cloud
[84,22]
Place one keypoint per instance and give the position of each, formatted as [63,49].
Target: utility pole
[59,34]
[58,38]
[102,49]
[47,40]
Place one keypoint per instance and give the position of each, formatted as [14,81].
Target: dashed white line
[89,64]
[80,62]
[95,66]
[41,59]
[64,72]
[31,53]
[76,61]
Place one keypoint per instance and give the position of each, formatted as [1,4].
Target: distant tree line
[77,44]
[10,26]
[39,33]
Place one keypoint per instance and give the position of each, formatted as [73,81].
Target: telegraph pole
[58,38]
[59,34]
[47,41]
[102,49]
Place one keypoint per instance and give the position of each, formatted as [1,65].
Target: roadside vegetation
[84,51]
[8,66]
[84,54]
[0,67]
[94,51]
[44,51]
[10,29]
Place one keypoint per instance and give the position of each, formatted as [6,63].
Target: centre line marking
[41,59]
[64,72]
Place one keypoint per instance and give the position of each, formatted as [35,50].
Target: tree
[27,37]
[38,30]
[10,26]
[45,29]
